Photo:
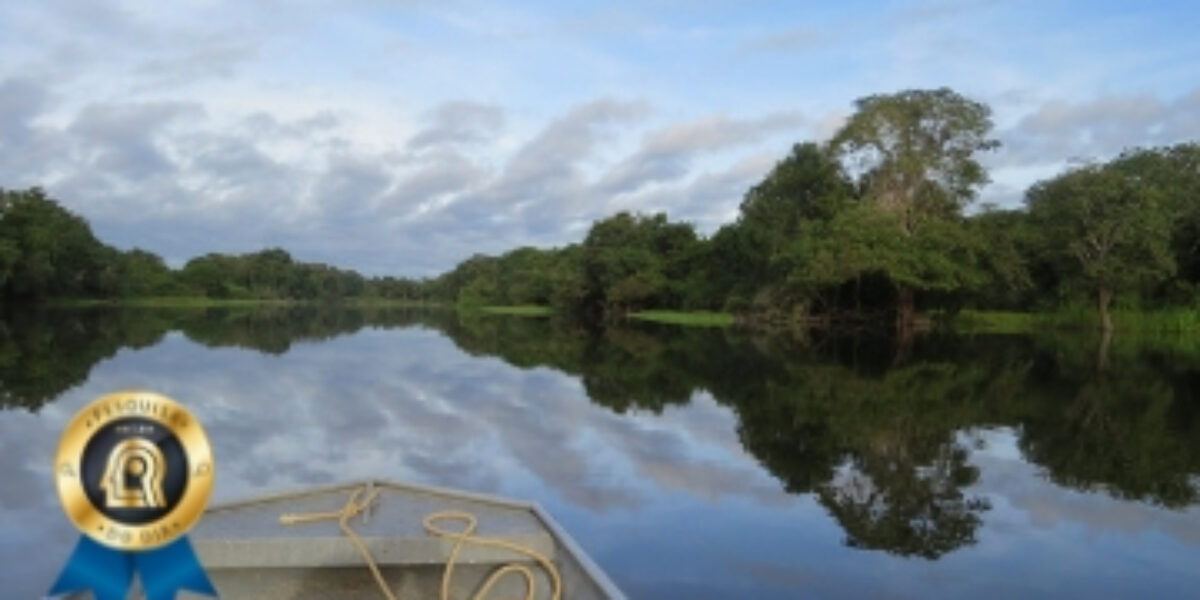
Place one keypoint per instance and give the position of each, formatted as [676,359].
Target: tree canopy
[1110,231]
[914,152]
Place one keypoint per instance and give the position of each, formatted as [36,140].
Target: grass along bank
[205,302]
[524,310]
[171,302]
[672,317]
[1076,318]
[976,321]
[698,318]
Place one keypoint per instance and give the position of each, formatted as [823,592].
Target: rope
[355,507]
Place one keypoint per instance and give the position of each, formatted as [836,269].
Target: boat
[386,540]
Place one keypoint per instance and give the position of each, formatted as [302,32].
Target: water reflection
[846,410]
[913,451]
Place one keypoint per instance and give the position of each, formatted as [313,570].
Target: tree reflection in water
[879,432]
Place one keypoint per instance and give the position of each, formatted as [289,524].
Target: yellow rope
[354,507]
[466,537]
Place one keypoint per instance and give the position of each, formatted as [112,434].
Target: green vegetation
[1075,317]
[975,321]
[521,311]
[170,302]
[1170,320]
[48,255]
[207,302]
[700,318]
[871,227]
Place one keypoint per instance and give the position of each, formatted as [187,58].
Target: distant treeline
[870,224]
[48,253]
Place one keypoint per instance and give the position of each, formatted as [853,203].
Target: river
[689,463]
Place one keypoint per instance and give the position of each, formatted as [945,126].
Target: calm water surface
[689,464]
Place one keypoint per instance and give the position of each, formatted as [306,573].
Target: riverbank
[1167,320]
[671,317]
[524,310]
[698,318]
[204,302]
[1077,318]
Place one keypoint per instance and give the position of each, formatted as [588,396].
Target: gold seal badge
[134,470]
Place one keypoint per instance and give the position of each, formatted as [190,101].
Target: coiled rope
[354,506]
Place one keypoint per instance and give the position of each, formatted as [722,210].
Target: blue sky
[401,136]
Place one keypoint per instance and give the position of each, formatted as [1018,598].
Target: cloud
[829,28]
[122,139]
[550,161]
[1051,134]
[216,56]
[709,199]
[232,171]
[1060,129]
[21,101]
[545,179]
[27,149]
[264,124]
[90,20]
[349,188]
[787,40]
[938,10]
[433,181]
[458,122]
[667,154]
[1030,500]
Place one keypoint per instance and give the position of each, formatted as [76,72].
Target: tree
[209,275]
[568,289]
[268,273]
[808,185]
[627,258]
[912,155]
[1173,172]
[864,244]
[46,251]
[144,274]
[1005,244]
[1112,231]
[732,267]
[914,152]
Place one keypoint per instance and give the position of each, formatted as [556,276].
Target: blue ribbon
[108,573]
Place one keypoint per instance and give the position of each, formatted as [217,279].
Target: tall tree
[807,185]
[144,274]
[46,251]
[1173,172]
[913,156]
[914,152]
[626,259]
[1111,231]
[1006,243]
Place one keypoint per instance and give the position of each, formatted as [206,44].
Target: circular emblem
[134,470]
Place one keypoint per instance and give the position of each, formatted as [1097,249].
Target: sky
[399,137]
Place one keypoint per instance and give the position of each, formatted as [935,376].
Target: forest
[879,223]
[47,253]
